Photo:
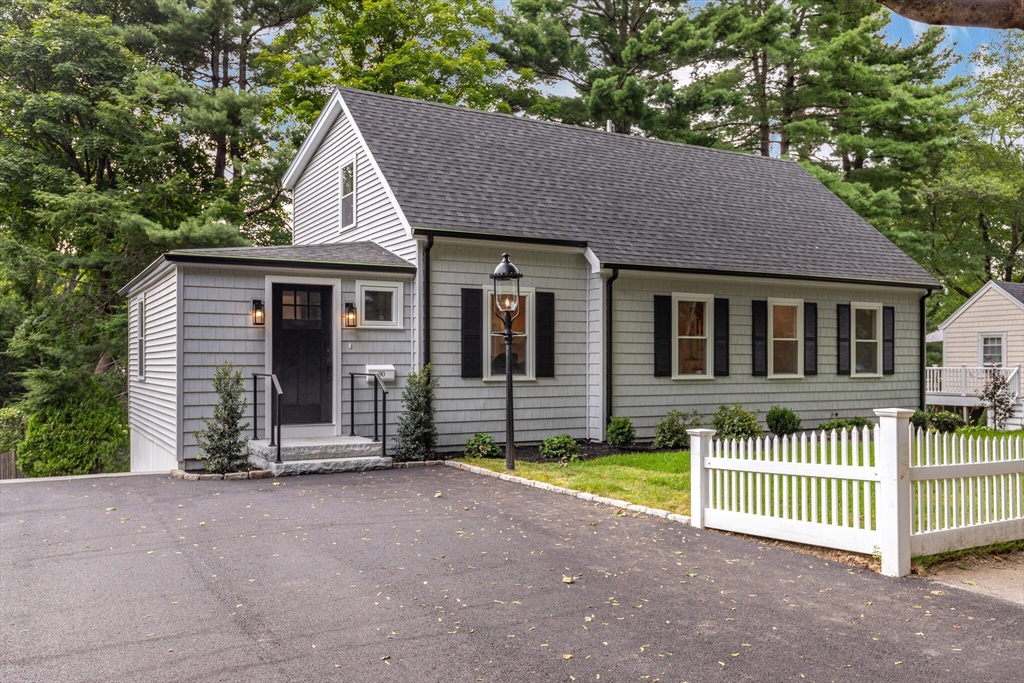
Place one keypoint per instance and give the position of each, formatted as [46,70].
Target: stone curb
[621,504]
[206,476]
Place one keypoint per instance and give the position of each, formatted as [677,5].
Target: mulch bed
[588,451]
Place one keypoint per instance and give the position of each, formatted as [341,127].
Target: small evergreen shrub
[847,424]
[920,419]
[621,432]
[670,433]
[735,422]
[482,446]
[13,423]
[997,399]
[560,446]
[417,434]
[782,421]
[947,422]
[222,442]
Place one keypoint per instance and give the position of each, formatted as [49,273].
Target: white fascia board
[152,272]
[312,142]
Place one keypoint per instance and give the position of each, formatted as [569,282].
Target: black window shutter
[888,340]
[759,335]
[662,336]
[843,335]
[545,342]
[810,338]
[472,333]
[721,337]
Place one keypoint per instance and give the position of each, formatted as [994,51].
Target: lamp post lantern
[506,302]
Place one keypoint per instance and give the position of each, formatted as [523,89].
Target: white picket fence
[882,490]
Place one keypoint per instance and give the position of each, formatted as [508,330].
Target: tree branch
[980,13]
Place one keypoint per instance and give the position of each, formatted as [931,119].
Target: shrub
[81,430]
[482,446]
[920,419]
[671,431]
[847,423]
[947,422]
[417,435]
[560,446]
[734,422]
[997,399]
[222,442]
[13,423]
[782,421]
[621,432]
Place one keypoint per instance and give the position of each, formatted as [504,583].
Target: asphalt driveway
[375,577]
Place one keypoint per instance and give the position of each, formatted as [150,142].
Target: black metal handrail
[378,434]
[275,409]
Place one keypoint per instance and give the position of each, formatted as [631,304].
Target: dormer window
[347,187]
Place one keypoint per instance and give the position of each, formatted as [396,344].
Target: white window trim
[799,303]
[981,347]
[140,336]
[350,160]
[709,330]
[854,307]
[531,338]
[397,303]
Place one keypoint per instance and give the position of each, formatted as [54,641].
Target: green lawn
[657,480]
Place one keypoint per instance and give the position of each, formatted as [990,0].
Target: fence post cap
[894,412]
[701,432]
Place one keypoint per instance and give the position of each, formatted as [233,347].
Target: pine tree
[417,434]
[222,442]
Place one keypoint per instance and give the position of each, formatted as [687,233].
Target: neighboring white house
[983,337]
[657,277]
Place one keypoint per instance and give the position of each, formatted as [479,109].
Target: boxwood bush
[735,422]
[782,421]
[621,432]
[671,431]
[846,423]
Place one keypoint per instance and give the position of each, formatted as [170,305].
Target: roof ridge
[562,126]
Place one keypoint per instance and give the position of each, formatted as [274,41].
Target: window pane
[287,312]
[784,323]
[692,356]
[314,298]
[866,323]
[347,212]
[992,350]
[288,297]
[377,305]
[301,312]
[300,297]
[314,312]
[348,179]
[691,318]
[867,357]
[784,357]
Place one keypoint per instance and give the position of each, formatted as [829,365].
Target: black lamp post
[506,300]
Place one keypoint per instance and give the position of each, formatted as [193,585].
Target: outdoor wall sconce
[506,299]
[350,315]
[258,317]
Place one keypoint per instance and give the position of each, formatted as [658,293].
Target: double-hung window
[867,339]
[522,343]
[379,304]
[693,320]
[347,193]
[142,338]
[992,347]
[785,336]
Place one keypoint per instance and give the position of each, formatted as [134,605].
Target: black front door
[302,352]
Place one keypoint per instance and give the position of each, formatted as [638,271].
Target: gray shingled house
[657,276]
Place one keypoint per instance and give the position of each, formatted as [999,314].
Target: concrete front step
[326,466]
[316,448]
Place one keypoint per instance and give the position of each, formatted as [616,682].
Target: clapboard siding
[595,356]
[990,313]
[544,406]
[217,327]
[316,198]
[646,399]
[152,400]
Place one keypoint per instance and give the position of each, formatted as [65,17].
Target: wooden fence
[8,466]
[879,491]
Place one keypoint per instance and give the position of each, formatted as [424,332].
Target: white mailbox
[386,373]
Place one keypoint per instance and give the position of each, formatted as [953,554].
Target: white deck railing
[880,490]
[965,381]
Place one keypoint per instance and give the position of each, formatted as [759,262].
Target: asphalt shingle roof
[341,254]
[1014,289]
[633,200]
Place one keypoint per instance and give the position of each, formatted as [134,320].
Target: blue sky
[963,40]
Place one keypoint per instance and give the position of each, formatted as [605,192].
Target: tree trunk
[980,13]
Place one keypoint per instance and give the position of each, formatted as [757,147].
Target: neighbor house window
[691,352]
[522,326]
[867,339]
[347,184]
[142,339]
[992,350]
[379,304]
[785,332]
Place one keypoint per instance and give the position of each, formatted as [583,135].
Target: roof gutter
[774,276]
[514,239]
[923,397]
[425,304]
[608,346]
